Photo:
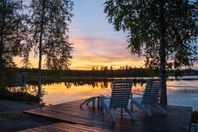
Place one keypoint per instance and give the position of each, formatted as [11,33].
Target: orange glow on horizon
[76,64]
[61,92]
[86,55]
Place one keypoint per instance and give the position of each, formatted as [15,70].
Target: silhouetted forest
[30,75]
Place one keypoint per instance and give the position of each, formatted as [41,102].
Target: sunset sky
[94,40]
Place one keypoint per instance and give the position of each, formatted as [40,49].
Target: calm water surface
[183,92]
[180,92]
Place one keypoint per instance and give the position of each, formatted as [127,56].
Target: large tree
[161,30]
[12,33]
[49,23]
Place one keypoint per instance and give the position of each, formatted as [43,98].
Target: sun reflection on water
[183,92]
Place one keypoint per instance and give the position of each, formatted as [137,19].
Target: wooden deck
[178,119]
[66,127]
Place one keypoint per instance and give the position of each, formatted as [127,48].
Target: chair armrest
[105,96]
[137,94]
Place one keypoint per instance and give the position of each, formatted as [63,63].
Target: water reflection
[183,92]
[30,89]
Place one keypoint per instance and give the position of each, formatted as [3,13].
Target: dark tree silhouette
[12,32]
[161,30]
[49,23]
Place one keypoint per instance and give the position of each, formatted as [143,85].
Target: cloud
[102,51]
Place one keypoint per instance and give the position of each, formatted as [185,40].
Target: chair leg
[108,111]
[131,113]
[93,103]
[100,107]
[162,110]
[141,107]
[131,105]
[121,111]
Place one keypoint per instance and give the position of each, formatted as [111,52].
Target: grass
[18,96]
[195,117]
[12,115]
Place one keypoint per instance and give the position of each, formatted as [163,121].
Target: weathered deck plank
[177,120]
[65,127]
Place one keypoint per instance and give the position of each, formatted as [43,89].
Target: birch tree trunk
[2,43]
[162,54]
[40,48]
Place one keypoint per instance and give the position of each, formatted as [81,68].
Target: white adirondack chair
[149,98]
[120,96]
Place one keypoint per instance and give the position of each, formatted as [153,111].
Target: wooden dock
[66,127]
[178,119]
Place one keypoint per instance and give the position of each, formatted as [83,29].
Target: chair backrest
[151,92]
[121,92]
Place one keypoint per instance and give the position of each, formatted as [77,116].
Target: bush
[18,96]
[195,117]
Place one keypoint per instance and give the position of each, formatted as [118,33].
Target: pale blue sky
[90,19]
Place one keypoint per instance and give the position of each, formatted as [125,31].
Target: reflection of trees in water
[99,84]
[28,89]
[35,90]
[93,84]
[40,91]
[106,84]
[68,85]
[137,82]
[83,81]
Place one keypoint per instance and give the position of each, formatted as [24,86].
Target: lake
[180,92]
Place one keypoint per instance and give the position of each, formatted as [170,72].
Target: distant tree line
[61,75]
[106,68]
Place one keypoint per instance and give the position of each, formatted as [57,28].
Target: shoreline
[13,119]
